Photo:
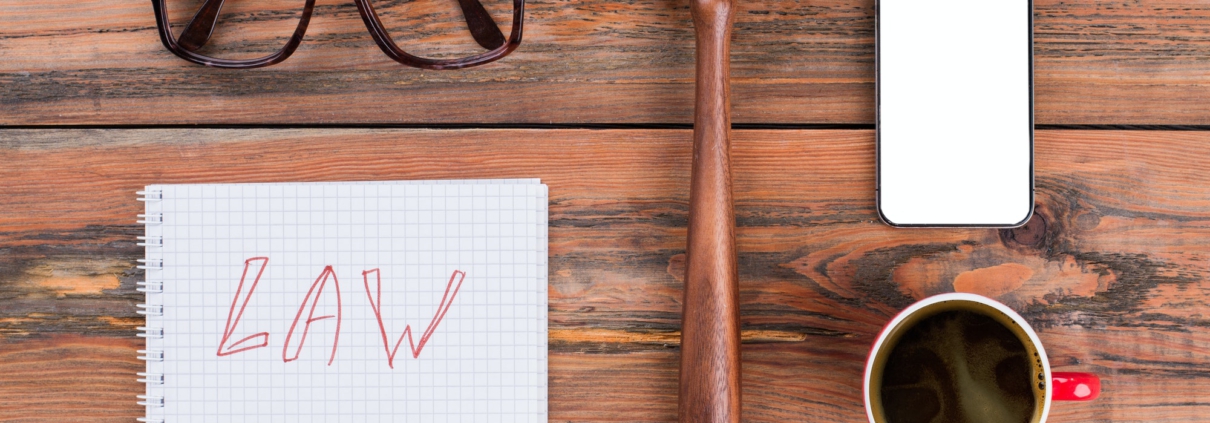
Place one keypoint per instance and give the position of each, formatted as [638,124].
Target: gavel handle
[710,337]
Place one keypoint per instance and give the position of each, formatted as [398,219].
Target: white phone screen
[955,112]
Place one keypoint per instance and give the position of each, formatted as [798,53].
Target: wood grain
[1118,62]
[1115,274]
[710,324]
[69,378]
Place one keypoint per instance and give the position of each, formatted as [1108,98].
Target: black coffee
[958,367]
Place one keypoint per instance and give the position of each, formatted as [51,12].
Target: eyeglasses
[251,34]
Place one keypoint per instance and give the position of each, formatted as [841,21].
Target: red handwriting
[447,300]
[320,283]
[232,323]
[317,290]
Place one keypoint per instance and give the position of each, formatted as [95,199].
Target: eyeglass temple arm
[481,24]
[198,31]
[483,28]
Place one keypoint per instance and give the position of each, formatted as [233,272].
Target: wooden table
[597,102]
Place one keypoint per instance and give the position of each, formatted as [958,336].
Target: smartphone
[955,112]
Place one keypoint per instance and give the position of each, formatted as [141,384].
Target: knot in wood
[1031,234]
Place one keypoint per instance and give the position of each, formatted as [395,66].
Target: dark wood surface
[710,324]
[1112,273]
[1110,62]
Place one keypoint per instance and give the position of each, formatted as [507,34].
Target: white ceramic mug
[1063,386]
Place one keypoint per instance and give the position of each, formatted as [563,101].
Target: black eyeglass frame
[373,24]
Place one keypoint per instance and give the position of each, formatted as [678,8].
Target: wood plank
[594,61]
[1115,280]
[70,378]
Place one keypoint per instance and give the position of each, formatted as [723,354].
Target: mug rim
[880,342]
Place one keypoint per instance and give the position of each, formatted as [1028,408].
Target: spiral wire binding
[151,400]
[150,310]
[149,378]
[150,218]
[151,333]
[147,286]
[148,355]
[152,287]
[150,195]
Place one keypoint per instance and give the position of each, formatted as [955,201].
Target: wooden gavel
[710,337]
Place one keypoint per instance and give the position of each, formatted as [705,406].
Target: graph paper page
[351,302]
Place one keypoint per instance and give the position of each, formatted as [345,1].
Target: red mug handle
[1071,386]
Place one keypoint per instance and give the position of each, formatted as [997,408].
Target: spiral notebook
[409,301]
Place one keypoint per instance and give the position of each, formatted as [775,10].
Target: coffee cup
[964,358]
